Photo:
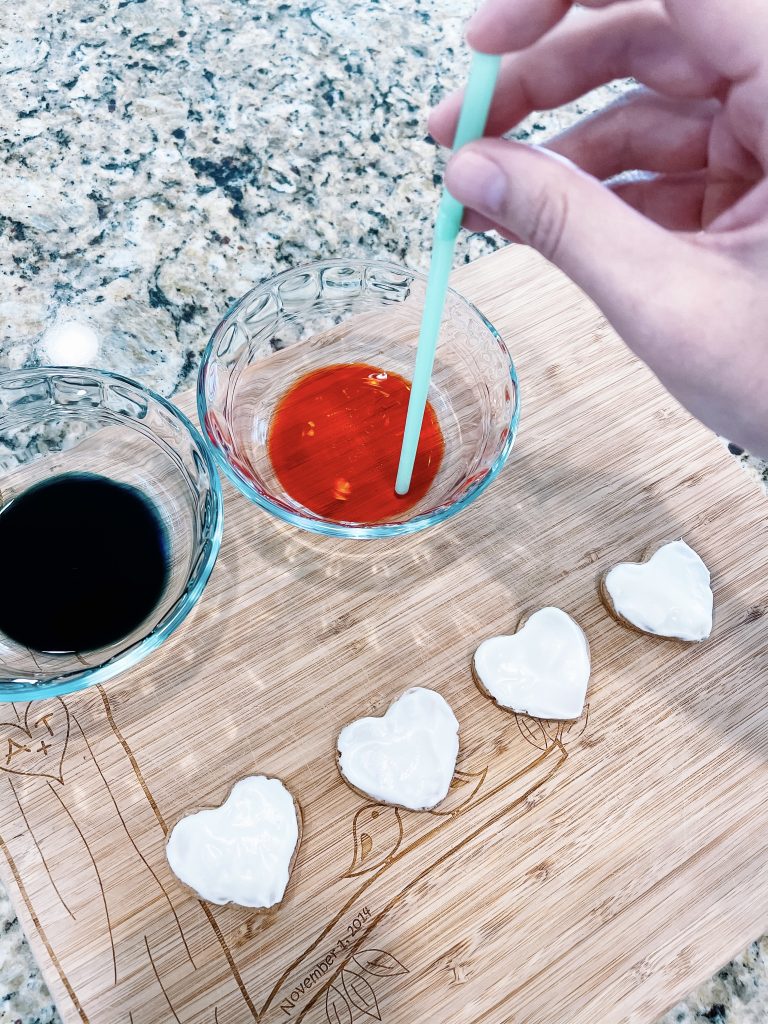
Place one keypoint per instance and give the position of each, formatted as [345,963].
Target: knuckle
[549,218]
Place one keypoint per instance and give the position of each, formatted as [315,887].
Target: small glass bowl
[356,311]
[62,420]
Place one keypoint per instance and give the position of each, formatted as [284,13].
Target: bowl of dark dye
[303,393]
[110,523]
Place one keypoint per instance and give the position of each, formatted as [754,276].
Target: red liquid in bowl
[334,444]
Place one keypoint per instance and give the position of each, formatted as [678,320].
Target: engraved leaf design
[337,1007]
[379,963]
[553,729]
[464,788]
[360,993]
[533,731]
[572,730]
[377,831]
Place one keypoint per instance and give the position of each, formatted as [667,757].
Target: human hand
[677,259]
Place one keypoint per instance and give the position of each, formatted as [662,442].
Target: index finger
[503,26]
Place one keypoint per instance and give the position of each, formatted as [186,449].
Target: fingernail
[477,182]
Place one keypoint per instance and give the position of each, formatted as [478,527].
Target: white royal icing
[669,595]
[241,851]
[406,757]
[542,670]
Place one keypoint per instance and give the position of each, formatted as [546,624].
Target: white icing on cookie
[239,852]
[406,757]
[669,595]
[542,670]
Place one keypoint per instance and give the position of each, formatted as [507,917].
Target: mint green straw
[474,114]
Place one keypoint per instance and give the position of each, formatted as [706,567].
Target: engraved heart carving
[38,746]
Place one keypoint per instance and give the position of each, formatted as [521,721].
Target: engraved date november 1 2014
[345,941]
[318,971]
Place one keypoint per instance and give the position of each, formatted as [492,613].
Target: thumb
[609,249]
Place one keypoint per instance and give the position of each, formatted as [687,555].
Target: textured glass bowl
[348,311]
[60,420]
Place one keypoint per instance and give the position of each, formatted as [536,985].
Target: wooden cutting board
[593,872]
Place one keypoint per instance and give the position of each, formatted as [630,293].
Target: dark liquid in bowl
[334,443]
[84,561]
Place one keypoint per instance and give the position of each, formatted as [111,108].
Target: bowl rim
[22,688]
[327,527]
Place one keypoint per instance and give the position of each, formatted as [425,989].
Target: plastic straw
[474,113]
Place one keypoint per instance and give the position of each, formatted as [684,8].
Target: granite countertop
[161,159]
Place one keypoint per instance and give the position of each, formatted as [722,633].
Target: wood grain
[583,872]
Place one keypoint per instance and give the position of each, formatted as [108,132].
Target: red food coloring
[334,444]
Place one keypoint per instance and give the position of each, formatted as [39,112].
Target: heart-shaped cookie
[242,851]
[38,745]
[668,595]
[406,757]
[542,670]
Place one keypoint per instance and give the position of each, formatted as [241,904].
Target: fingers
[641,131]
[661,291]
[675,202]
[724,195]
[501,27]
[618,256]
[685,202]
[749,213]
[632,39]
[735,38]
[734,35]
[476,223]
[748,116]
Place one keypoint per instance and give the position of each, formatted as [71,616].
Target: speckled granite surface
[161,158]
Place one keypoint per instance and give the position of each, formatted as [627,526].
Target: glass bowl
[356,311]
[61,420]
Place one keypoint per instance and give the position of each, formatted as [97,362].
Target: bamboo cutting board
[575,874]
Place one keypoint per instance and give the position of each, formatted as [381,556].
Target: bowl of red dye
[110,523]
[303,393]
